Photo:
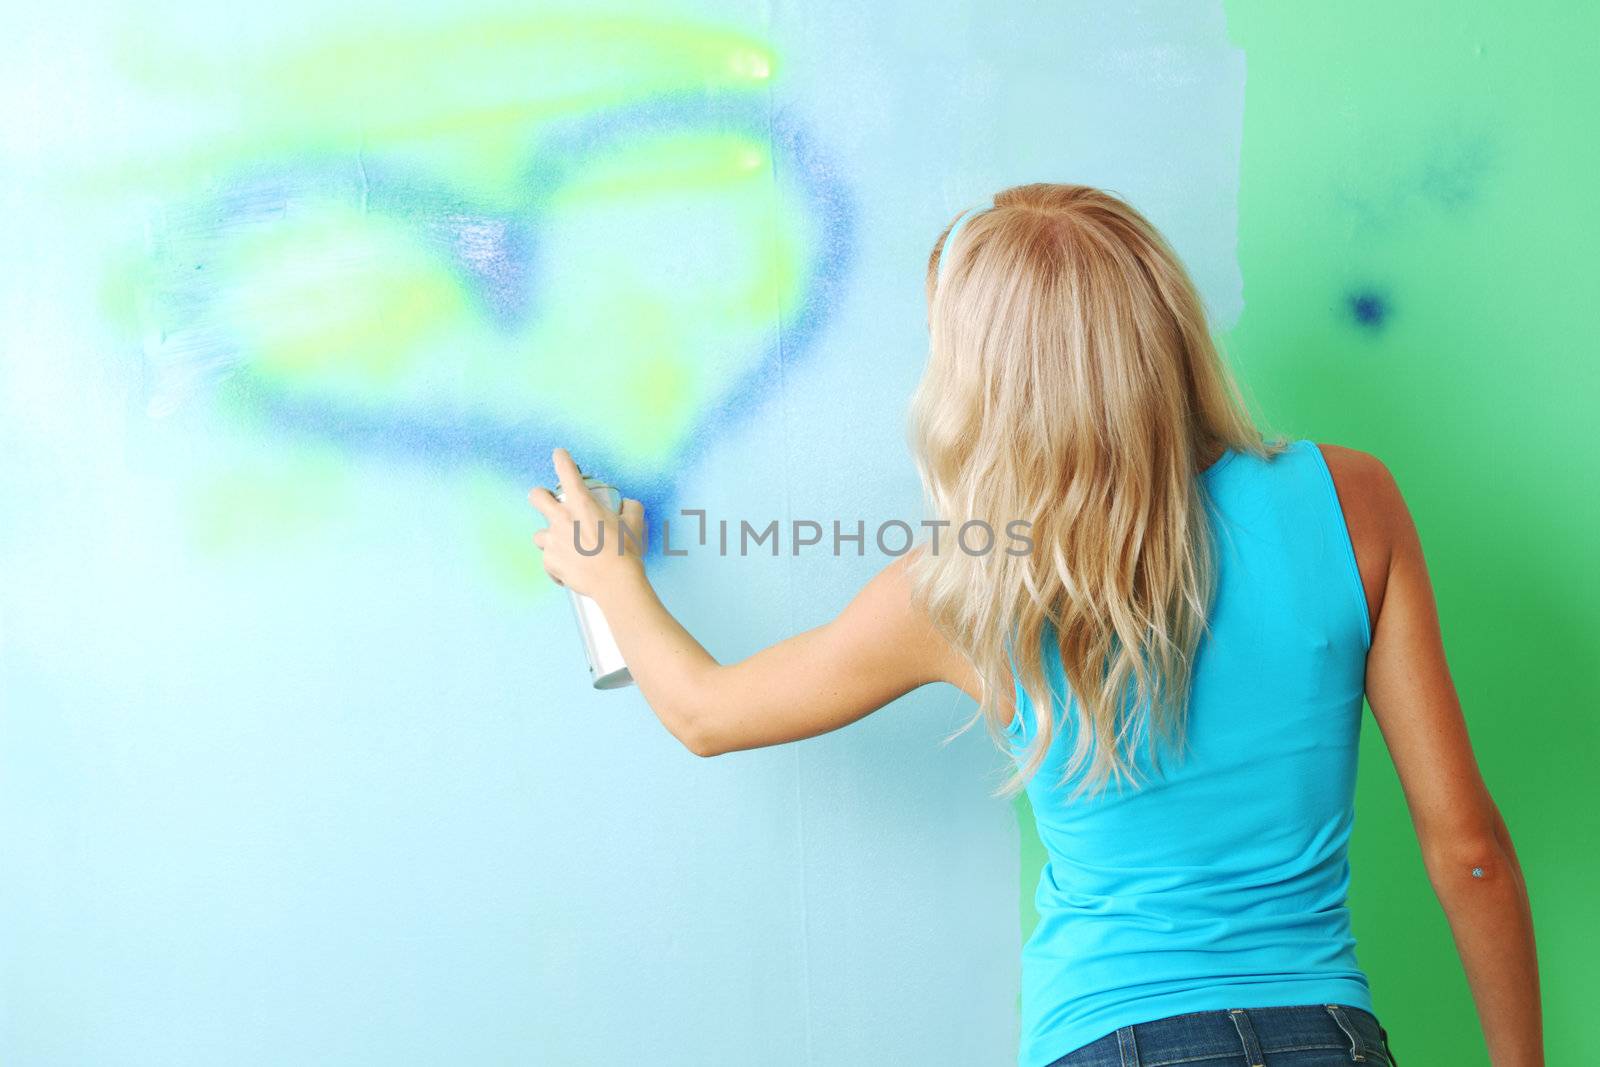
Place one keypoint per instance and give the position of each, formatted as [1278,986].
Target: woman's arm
[1465,846]
[878,648]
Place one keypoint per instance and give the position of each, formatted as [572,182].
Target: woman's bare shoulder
[1374,511]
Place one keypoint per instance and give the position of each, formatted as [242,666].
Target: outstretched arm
[878,648]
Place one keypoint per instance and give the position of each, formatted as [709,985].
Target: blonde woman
[1177,667]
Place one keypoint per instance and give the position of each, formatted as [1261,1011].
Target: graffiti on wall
[610,237]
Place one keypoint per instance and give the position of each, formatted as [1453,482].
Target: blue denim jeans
[1306,1035]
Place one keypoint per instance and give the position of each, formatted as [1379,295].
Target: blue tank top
[1221,883]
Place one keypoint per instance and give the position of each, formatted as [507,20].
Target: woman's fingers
[546,503]
[581,545]
[633,516]
[573,488]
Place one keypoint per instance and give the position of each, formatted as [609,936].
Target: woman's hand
[878,648]
[587,547]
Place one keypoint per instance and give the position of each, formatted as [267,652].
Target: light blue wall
[299,761]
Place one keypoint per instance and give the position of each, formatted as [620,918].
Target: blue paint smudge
[1369,309]
[495,253]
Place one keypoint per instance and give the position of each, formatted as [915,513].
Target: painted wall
[1415,205]
[299,761]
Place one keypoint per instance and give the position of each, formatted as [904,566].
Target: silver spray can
[605,659]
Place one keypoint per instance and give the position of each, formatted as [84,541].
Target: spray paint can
[605,658]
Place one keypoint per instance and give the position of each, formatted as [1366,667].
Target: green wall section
[1416,211]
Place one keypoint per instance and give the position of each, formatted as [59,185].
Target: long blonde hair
[1072,383]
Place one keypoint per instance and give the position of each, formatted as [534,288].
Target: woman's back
[1220,881]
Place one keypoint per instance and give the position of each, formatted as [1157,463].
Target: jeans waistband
[1253,1032]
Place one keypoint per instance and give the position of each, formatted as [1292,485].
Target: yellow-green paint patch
[503,523]
[337,299]
[264,503]
[469,92]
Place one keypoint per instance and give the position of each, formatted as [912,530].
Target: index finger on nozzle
[572,484]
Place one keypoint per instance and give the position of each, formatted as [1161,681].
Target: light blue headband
[950,241]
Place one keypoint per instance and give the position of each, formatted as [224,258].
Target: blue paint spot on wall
[1370,310]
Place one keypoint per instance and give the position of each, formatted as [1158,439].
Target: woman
[1202,612]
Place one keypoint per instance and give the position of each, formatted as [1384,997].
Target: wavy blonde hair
[1072,382]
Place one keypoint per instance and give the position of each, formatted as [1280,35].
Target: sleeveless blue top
[1221,882]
